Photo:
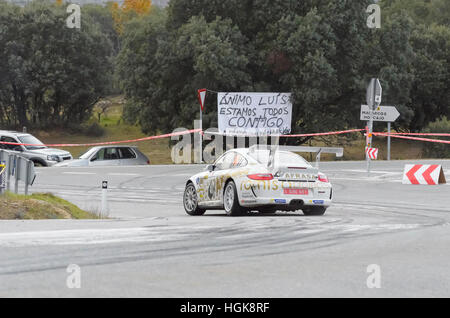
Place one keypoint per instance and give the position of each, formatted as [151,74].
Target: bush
[93,130]
[436,150]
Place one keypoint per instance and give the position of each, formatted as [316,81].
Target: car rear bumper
[284,195]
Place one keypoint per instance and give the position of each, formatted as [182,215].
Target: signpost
[387,114]
[373,98]
[201,94]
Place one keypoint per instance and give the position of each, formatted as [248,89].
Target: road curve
[151,248]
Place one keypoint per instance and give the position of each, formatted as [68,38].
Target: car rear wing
[339,152]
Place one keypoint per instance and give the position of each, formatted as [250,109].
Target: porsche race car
[259,179]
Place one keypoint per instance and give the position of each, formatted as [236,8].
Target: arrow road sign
[374,93]
[381,113]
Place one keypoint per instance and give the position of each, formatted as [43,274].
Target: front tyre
[190,201]
[314,211]
[231,200]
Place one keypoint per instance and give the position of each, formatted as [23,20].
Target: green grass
[39,206]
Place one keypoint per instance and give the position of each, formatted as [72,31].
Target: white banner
[254,114]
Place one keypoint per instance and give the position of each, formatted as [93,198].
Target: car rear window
[282,157]
[127,153]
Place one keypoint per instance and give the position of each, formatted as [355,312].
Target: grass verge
[39,206]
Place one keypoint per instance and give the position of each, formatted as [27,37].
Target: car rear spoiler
[339,152]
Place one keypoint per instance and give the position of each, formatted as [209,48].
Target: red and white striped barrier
[424,175]
[372,153]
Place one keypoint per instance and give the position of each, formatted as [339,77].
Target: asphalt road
[151,248]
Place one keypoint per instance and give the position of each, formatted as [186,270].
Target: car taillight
[261,176]
[323,178]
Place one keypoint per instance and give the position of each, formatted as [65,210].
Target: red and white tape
[181,133]
[187,132]
[413,138]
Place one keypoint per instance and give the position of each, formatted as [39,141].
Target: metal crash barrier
[13,166]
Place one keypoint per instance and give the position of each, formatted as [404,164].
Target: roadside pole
[201,94]
[200,149]
[373,98]
[389,142]
[104,208]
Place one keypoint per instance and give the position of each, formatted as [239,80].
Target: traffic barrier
[424,175]
[18,167]
[372,153]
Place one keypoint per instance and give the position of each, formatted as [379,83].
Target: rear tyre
[231,201]
[190,201]
[314,211]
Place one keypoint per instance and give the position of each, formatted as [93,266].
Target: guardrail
[17,167]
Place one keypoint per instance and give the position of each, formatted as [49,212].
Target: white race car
[258,179]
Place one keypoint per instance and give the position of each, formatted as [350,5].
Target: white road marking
[84,237]
[124,174]
[80,173]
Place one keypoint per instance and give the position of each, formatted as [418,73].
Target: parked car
[109,156]
[252,179]
[40,154]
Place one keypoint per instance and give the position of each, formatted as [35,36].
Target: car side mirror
[210,168]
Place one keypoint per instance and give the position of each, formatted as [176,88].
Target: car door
[106,157]
[127,156]
[222,173]
[208,183]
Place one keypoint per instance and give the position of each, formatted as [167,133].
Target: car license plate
[296,191]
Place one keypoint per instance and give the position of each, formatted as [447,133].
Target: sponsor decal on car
[318,201]
[280,201]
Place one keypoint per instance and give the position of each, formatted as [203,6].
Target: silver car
[109,156]
[40,154]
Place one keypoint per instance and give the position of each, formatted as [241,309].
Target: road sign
[372,153]
[381,113]
[424,174]
[374,93]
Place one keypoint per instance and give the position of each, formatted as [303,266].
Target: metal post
[27,176]
[389,142]
[9,163]
[200,136]
[16,174]
[104,209]
[318,159]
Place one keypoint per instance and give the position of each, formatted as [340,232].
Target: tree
[50,74]
[128,10]
[320,50]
